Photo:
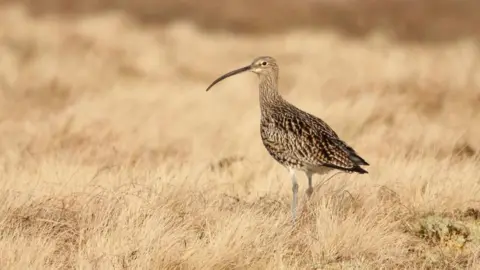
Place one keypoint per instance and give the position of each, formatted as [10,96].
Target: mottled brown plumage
[294,138]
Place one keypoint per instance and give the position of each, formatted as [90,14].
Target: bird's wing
[313,142]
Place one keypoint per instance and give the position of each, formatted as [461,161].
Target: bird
[298,140]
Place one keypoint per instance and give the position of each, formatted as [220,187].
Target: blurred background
[406,20]
[61,55]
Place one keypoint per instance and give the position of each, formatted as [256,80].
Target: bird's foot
[309,192]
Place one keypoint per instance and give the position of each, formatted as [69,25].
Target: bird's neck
[269,94]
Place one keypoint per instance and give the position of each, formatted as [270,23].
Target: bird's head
[262,66]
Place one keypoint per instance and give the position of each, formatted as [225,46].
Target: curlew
[294,138]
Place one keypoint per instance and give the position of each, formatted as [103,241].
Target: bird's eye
[264,63]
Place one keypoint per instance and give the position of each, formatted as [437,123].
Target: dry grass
[113,156]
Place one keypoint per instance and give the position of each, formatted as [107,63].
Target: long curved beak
[231,73]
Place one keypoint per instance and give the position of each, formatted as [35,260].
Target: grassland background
[112,155]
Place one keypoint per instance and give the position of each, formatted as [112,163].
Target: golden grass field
[113,156]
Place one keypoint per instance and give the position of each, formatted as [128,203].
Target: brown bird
[294,138]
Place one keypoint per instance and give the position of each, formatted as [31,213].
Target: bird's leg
[294,191]
[310,187]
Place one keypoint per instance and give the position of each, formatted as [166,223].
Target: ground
[113,155]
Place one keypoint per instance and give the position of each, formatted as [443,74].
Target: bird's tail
[352,154]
